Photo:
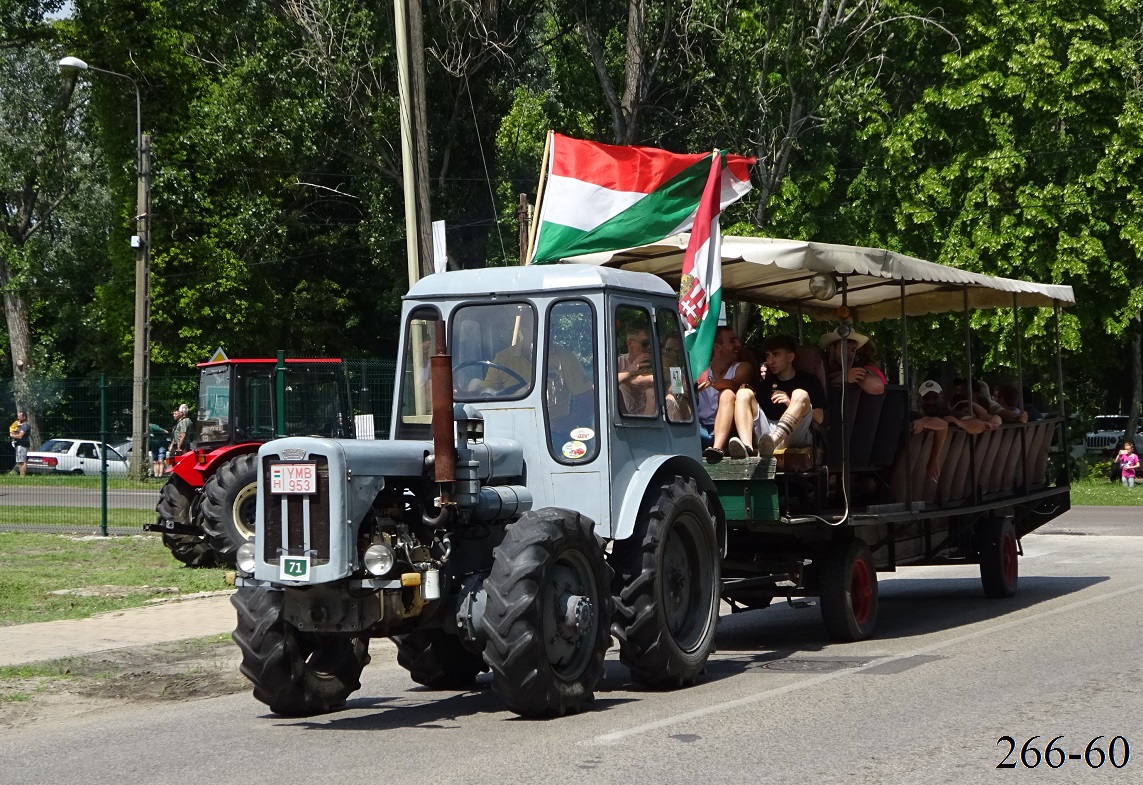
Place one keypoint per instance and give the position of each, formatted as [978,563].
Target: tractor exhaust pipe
[444,430]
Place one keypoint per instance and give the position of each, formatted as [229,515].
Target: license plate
[293,478]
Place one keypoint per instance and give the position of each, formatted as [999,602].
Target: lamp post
[140,425]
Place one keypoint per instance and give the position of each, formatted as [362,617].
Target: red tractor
[207,507]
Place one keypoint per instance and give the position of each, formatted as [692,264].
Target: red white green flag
[700,290]
[601,197]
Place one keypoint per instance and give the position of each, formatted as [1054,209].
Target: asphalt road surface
[931,699]
[32,495]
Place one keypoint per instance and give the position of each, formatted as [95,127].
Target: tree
[42,157]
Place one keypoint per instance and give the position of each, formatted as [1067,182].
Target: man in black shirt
[788,400]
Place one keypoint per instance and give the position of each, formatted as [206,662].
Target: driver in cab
[511,369]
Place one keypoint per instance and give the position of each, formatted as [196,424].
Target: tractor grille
[296,524]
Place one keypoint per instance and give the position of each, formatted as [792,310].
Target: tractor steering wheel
[521,382]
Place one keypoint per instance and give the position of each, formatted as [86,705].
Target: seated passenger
[679,408]
[1006,404]
[786,401]
[717,388]
[570,395]
[862,369]
[936,416]
[976,408]
[636,375]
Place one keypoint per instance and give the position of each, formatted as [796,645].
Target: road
[948,675]
[32,495]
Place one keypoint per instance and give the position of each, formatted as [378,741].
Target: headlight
[379,559]
[245,557]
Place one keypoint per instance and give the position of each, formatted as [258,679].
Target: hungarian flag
[700,291]
[602,197]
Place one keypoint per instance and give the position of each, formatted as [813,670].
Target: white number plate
[293,478]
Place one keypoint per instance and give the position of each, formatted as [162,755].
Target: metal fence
[81,410]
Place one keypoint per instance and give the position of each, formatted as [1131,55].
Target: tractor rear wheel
[547,613]
[437,660]
[175,501]
[294,673]
[229,506]
[667,588]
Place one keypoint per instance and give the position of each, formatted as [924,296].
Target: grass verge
[1101,493]
[44,577]
[73,517]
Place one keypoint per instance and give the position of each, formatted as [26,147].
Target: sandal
[712,454]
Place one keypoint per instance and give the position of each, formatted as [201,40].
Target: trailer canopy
[873,281]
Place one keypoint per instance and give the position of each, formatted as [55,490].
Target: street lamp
[142,244]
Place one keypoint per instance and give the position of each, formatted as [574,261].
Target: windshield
[1110,422]
[214,405]
[493,351]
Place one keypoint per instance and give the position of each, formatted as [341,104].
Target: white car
[74,456]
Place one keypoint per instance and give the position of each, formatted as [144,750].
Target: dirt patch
[177,671]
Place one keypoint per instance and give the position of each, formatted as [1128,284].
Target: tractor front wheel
[547,614]
[294,673]
[229,504]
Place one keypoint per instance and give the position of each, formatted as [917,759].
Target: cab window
[493,351]
[675,375]
[634,373]
[570,403]
[416,403]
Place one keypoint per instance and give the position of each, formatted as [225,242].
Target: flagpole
[539,199]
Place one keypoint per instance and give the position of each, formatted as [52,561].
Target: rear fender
[649,478]
[197,466]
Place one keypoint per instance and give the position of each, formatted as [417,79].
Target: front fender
[648,478]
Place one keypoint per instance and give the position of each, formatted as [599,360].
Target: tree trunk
[1136,380]
[19,339]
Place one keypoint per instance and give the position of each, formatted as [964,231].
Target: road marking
[619,735]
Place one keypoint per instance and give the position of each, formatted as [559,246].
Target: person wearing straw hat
[861,370]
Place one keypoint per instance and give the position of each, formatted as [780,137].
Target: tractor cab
[245,401]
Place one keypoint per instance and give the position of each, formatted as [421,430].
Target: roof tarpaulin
[776,273]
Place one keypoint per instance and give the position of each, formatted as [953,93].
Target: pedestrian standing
[19,432]
[1128,462]
[179,434]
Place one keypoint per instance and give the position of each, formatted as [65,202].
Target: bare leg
[723,419]
[745,412]
[798,408]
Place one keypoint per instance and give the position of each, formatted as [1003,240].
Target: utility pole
[522,220]
[140,399]
[414,137]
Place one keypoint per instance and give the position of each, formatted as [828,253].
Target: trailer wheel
[294,673]
[437,660]
[849,591]
[999,569]
[667,588]
[547,613]
[229,506]
[176,498]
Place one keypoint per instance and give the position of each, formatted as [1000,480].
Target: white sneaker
[765,446]
[737,448]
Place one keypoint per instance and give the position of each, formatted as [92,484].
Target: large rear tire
[176,498]
[849,591]
[294,673]
[667,584]
[547,614]
[229,506]
[999,565]
[437,660]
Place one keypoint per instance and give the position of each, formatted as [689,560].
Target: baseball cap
[929,386]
